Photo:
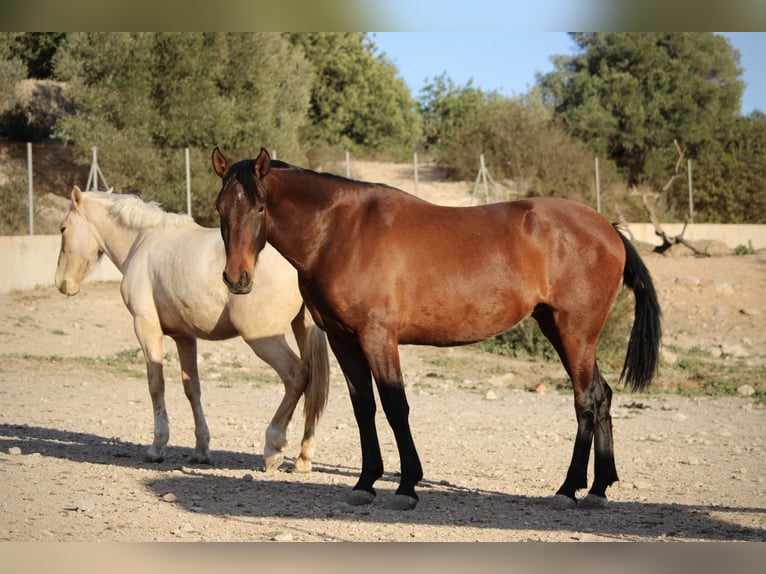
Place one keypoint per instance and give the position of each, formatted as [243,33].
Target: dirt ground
[76,418]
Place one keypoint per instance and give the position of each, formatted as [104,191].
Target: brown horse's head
[241,204]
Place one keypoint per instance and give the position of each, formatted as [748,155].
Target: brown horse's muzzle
[240,287]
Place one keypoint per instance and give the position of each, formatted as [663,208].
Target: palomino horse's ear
[262,164]
[76,196]
[220,165]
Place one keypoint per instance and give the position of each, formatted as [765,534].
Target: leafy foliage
[631,94]
[730,175]
[11,72]
[447,109]
[357,100]
[517,137]
[36,50]
[142,97]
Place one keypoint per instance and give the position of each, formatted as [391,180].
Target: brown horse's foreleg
[187,356]
[394,402]
[356,369]
[383,356]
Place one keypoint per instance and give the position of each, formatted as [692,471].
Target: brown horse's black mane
[243,170]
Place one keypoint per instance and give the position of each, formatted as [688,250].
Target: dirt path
[76,418]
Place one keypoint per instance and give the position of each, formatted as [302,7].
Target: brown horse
[378,267]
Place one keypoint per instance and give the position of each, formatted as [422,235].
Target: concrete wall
[30,261]
[731,235]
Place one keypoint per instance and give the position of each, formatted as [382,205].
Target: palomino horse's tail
[314,355]
[643,352]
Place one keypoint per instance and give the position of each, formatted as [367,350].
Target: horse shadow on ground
[196,490]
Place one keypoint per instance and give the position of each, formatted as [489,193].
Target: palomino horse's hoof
[402,502]
[562,502]
[360,498]
[302,465]
[151,456]
[201,458]
[592,501]
[272,462]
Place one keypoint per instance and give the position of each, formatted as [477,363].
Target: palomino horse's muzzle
[241,287]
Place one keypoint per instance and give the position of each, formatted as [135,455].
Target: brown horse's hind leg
[604,467]
[592,401]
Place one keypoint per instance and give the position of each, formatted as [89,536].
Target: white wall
[731,235]
[28,261]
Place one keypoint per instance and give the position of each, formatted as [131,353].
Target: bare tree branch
[679,163]
[667,241]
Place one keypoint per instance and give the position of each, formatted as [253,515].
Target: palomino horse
[378,267]
[172,286]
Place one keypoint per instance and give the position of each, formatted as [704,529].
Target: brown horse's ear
[262,164]
[220,165]
[76,196]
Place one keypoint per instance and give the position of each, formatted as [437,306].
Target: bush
[526,341]
[14,216]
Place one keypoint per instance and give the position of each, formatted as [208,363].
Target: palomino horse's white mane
[131,211]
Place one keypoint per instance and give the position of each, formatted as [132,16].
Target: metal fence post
[30,190]
[188,182]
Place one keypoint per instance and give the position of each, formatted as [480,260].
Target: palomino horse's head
[241,204]
[80,250]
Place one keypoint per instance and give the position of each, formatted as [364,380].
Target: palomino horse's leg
[187,355]
[149,336]
[275,351]
[592,398]
[302,327]
[356,369]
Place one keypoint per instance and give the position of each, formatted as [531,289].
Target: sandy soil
[76,418]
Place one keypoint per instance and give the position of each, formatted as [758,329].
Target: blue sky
[464,56]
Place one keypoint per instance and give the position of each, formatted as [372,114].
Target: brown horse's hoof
[360,498]
[592,502]
[562,502]
[402,502]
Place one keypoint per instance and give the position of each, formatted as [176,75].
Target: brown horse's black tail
[643,353]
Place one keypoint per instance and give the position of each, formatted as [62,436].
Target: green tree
[357,101]
[630,95]
[11,72]
[730,175]
[446,108]
[535,155]
[142,97]
[36,50]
